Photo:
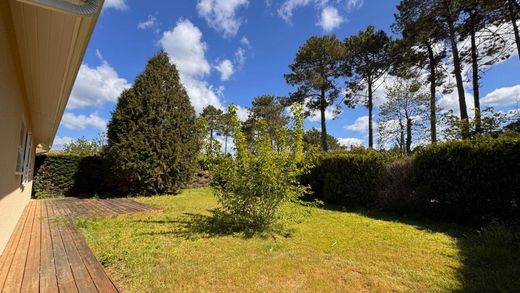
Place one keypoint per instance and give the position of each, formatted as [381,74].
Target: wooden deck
[46,253]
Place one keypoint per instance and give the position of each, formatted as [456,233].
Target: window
[21,150]
[24,161]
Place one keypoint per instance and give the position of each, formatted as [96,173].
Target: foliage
[347,178]
[69,175]
[368,57]
[85,147]
[469,181]
[312,140]
[213,118]
[152,141]
[315,70]
[491,122]
[252,185]
[270,110]
[402,114]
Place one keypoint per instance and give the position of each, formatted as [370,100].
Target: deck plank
[48,280]
[13,283]
[31,277]
[47,253]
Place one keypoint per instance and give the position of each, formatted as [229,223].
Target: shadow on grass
[490,255]
[217,224]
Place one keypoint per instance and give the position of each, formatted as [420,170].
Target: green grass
[180,249]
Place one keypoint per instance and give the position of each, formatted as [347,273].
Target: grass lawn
[327,251]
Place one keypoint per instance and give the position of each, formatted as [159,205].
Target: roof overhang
[52,37]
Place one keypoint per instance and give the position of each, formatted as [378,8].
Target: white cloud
[242,113]
[503,97]
[96,86]
[245,42]
[350,142]
[116,4]
[287,8]
[330,19]
[187,51]
[201,94]
[360,125]
[221,14]
[81,122]
[354,4]
[226,69]
[60,142]
[148,23]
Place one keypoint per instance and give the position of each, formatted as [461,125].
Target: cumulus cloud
[330,19]
[150,22]
[242,113]
[503,97]
[221,15]
[81,122]
[116,4]
[329,11]
[226,69]
[360,125]
[330,114]
[350,142]
[95,86]
[187,51]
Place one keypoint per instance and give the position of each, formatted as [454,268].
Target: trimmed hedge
[470,182]
[69,175]
[347,178]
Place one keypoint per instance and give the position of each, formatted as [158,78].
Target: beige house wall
[13,111]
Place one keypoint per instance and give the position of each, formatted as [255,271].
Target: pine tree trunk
[324,145]
[402,138]
[476,85]
[408,135]
[370,108]
[225,145]
[457,70]
[433,94]
[513,15]
[211,140]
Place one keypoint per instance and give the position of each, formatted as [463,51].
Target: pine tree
[316,68]
[368,56]
[152,138]
[266,108]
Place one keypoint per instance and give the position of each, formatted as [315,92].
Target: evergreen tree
[312,139]
[419,47]
[269,109]
[152,136]
[368,56]
[213,118]
[316,68]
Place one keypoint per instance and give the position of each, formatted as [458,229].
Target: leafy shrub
[470,181]
[69,175]
[347,178]
[252,185]
[396,192]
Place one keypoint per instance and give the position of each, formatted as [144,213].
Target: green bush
[470,181]
[253,184]
[396,192]
[347,178]
[68,175]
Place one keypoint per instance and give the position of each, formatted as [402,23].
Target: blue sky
[230,51]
